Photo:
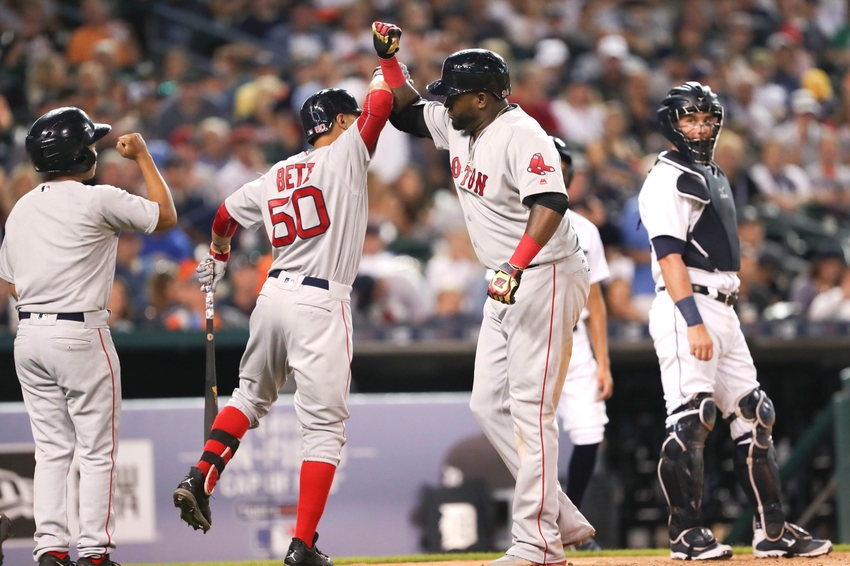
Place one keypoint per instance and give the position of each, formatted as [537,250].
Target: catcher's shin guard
[755,462]
[681,467]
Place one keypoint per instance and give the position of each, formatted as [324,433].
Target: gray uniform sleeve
[349,156]
[120,210]
[243,205]
[535,164]
[437,118]
[5,264]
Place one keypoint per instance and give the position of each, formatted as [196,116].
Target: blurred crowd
[215,87]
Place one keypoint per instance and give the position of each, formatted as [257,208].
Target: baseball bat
[210,385]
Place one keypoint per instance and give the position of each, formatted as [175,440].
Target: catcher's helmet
[59,141]
[473,70]
[566,158]
[686,99]
[321,109]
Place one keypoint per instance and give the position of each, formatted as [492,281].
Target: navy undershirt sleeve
[666,245]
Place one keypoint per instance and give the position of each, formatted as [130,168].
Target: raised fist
[131,146]
[386,38]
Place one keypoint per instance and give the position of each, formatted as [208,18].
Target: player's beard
[461,123]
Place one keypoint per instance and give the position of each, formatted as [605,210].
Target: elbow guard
[411,120]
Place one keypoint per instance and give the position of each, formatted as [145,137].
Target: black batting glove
[386,38]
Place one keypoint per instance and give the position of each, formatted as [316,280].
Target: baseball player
[5,526]
[314,209]
[59,259]
[513,198]
[589,382]
[687,207]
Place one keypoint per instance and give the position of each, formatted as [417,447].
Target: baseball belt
[311,281]
[75,316]
[728,300]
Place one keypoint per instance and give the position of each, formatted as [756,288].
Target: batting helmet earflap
[473,70]
[686,99]
[59,141]
[321,109]
[566,158]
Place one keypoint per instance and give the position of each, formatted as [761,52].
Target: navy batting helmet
[321,109]
[59,141]
[566,158]
[686,99]
[473,70]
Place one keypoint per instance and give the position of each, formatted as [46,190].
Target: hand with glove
[212,268]
[504,284]
[386,38]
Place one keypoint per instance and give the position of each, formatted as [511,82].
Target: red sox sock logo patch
[538,166]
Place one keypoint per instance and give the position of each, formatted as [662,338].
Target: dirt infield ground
[834,559]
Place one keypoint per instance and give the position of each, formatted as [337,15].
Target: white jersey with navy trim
[510,160]
[314,208]
[667,212]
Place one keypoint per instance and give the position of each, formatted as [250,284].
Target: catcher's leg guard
[681,467]
[755,461]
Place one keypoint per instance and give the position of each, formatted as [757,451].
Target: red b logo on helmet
[538,166]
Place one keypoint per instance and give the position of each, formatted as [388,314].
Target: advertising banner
[395,446]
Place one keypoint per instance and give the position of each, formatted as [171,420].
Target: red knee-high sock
[229,427]
[316,480]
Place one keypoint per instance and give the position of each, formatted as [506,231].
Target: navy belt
[311,281]
[728,300]
[75,316]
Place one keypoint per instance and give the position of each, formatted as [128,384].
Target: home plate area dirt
[833,559]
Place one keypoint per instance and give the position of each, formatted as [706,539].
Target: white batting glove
[210,271]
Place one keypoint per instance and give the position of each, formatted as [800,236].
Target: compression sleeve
[559,202]
[411,120]
[376,111]
[224,225]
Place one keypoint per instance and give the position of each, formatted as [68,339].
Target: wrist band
[526,250]
[392,72]
[220,255]
[689,310]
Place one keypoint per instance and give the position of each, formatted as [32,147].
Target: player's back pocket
[69,343]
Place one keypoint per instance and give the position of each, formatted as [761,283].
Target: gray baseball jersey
[313,206]
[314,209]
[72,230]
[523,349]
[512,159]
[59,252]
[581,414]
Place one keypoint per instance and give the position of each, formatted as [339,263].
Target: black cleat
[300,555]
[48,559]
[103,560]
[193,501]
[793,542]
[698,543]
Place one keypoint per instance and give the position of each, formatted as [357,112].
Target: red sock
[229,427]
[316,480]
[97,559]
[59,555]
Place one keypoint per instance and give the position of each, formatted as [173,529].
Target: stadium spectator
[778,181]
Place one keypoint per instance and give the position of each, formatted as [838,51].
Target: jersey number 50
[285,228]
